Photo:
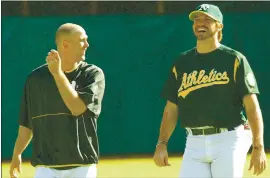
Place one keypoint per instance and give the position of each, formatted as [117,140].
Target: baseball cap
[209,10]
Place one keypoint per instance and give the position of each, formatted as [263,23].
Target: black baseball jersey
[61,140]
[209,88]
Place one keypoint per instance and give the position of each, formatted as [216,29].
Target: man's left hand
[258,161]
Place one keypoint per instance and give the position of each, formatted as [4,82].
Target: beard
[208,33]
[204,35]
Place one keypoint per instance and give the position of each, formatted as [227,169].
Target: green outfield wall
[135,53]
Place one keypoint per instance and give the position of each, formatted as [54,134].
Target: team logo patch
[251,79]
[73,84]
[201,79]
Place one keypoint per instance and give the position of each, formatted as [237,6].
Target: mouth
[201,30]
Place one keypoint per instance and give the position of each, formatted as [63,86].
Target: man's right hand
[15,166]
[161,156]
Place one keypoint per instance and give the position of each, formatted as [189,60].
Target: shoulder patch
[250,79]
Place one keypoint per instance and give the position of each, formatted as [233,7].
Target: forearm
[256,123]
[69,95]
[23,140]
[168,124]
[255,119]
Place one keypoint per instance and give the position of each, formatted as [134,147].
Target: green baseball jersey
[61,140]
[209,88]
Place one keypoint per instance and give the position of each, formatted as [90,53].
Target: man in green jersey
[208,87]
[59,110]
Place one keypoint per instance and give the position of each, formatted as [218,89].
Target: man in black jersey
[59,110]
[208,87]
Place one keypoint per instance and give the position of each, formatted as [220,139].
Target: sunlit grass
[133,168]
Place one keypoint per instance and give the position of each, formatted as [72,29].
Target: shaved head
[71,41]
[67,29]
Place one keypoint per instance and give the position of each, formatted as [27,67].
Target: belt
[208,131]
[64,168]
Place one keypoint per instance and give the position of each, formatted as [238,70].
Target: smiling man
[59,110]
[207,88]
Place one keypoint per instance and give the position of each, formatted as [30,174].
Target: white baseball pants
[79,172]
[220,155]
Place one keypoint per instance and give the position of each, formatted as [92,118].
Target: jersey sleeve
[24,119]
[245,79]
[169,91]
[93,90]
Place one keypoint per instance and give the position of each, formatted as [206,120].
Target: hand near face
[54,62]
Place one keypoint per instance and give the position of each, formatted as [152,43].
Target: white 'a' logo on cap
[204,7]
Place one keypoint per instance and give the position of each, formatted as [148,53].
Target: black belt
[64,168]
[208,131]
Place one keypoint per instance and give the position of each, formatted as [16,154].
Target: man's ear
[220,26]
[65,44]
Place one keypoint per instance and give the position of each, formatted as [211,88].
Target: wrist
[163,143]
[16,155]
[258,147]
[258,143]
[58,74]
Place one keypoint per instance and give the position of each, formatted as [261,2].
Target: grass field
[134,168]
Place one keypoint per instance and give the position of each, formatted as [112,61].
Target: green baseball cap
[209,10]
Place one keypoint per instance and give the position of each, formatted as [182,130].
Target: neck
[208,45]
[69,67]
[66,65]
